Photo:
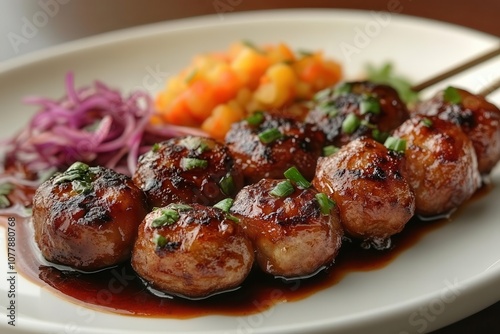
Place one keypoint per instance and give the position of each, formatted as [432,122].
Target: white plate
[452,272]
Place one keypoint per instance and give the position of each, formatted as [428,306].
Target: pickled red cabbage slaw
[95,125]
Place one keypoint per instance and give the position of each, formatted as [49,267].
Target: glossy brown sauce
[120,290]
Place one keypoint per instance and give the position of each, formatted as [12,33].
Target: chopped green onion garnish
[325,203]
[283,189]
[294,175]
[395,144]
[179,207]
[225,205]
[4,202]
[379,136]
[305,53]
[369,104]
[169,214]
[251,45]
[167,217]
[80,166]
[343,88]
[329,150]
[160,241]
[385,74]
[256,118]
[227,186]
[451,95]
[79,174]
[197,144]
[367,124]
[233,218]
[81,187]
[190,163]
[329,108]
[67,177]
[270,135]
[155,147]
[322,94]
[76,171]
[426,122]
[6,188]
[351,123]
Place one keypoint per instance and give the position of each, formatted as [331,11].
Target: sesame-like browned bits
[292,236]
[189,169]
[192,251]
[267,148]
[87,217]
[367,181]
[479,119]
[441,164]
[354,109]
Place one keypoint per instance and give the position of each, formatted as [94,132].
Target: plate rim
[194,22]
[118,36]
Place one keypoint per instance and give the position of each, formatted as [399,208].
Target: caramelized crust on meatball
[354,109]
[442,165]
[265,149]
[291,236]
[189,169]
[367,181]
[479,119]
[87,217]
[191,251]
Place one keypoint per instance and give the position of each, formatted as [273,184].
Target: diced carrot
[250,66]
[219,123]
[200,99]
[226,86]
[281,87]
[311,71]
[280,53]
[178,113]
[220,88]
[234,50]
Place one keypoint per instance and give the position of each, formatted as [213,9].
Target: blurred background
[29,25]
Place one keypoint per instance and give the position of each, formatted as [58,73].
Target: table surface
[71,20]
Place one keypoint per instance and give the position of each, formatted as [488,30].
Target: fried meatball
[191,251]
[189,169]
[367,181]
[291,235]
[479,119]
[87,217]
[354,109]
[441,164]
[271,145]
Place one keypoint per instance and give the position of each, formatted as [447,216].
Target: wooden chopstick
[460,68]
[490,88]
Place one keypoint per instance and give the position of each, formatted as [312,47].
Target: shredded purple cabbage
[95,125]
